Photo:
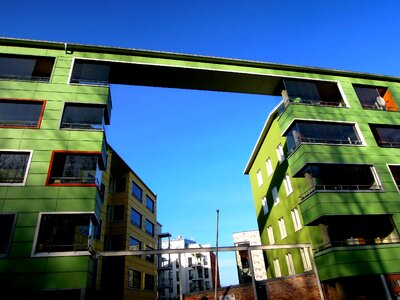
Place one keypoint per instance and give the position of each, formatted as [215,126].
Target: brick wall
[285,288]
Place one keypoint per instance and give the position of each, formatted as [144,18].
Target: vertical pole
[321,292]
[180,277]
[385,286]
[216,261]
[253,278]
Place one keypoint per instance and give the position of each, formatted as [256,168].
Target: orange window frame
[26,100]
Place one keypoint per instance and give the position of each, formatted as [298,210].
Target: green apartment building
[327,158]
[325,171]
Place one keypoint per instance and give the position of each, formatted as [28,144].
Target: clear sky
[191,147]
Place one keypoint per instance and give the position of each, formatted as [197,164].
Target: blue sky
[191,147]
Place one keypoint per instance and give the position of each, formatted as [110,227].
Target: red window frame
[98,153]
[26,100]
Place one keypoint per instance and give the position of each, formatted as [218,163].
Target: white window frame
[282,228]
[277,267]
[288,185]
[264,203]
[66,253]
[259,178]
[296,219]
[279,153]
[27,167]
[268,164]
[275,195]
[270,233]
[305,257]
[289,263]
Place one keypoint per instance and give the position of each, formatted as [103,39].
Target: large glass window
[134,279]
[321,132]
[24,67]
[13,167]
[74,168]
[340,177]
[136,218]
[114,242]
[134,244]
[7,222]
[150,204]
[64,232]
[83,116]
[137,192]
[148,282]
[387,136]
[149,228]
[149,257]
[90,72]
[21,113]
[395,170]
[373,97]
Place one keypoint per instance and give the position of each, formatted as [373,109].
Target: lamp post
[216,261]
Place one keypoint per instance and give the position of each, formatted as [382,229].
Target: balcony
[375,98]
[386,136]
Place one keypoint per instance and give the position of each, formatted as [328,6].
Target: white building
[251,238]
[192,272]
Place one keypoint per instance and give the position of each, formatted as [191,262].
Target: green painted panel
[36,179]
[70,280]
[35,205]
[21,249]
[32,192]
[22,265]
[24,234]
[77,192]
[27,219]
[44,145]
[14,133]
[68,264]
[76,205]
[41,156]
[42,135]
[10,144]
[88,146]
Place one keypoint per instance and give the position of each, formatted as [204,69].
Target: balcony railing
[24,77]
[301,101]
[347,141]
[61,248]
[352,242]
[90,82]
[388,144]
[73,180]
[18,123]
[338,187]
[97,127]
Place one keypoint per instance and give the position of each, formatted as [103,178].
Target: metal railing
[352,242]
[61,248]
[88,126]
[90,82]
[323,141]
[15,179]
[24,77]
[297,100]
[18,123]
[79,180]
[388,144]
[338,187]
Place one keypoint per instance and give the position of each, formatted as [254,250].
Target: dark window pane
[137,191]
[63,232]
[386,136]
[120,185]
[305,90]
[73,168]
[97,231]
[20,113]
[113,242]
[90,72]
[149,228]
[149,257]
[134,244]
[150,204]
[26,67]
[395,170]
[148,282]
[367,95]
[136,218]
[13,166]
[119,213]
[6,230]
[134,279]
[83,116]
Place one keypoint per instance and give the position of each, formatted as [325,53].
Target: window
[83,116]
[148,282]
[21,113]
[271,235]
[277,268]
[207,284]
[134,244]
[280,154]
[289,263]
[134,279]
[149,257]
[150,204]
[275,195]
[137,192]
[282,228]
[206,273]
[136,218]
[118,213]
[118,185]
[373,97]
[305,257]
[97,231]
[114,242]
[321,133]
[264,205]
[395,171]
[64,232]
[14,167]
[67,168]
[387,136]
[149,228]
[296,219]
[259,178]
[190,261]
[270,169]
[90,72]
[7,223]
[288,185]
[177,276]
[244,258]
[340,177]
[25,67]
